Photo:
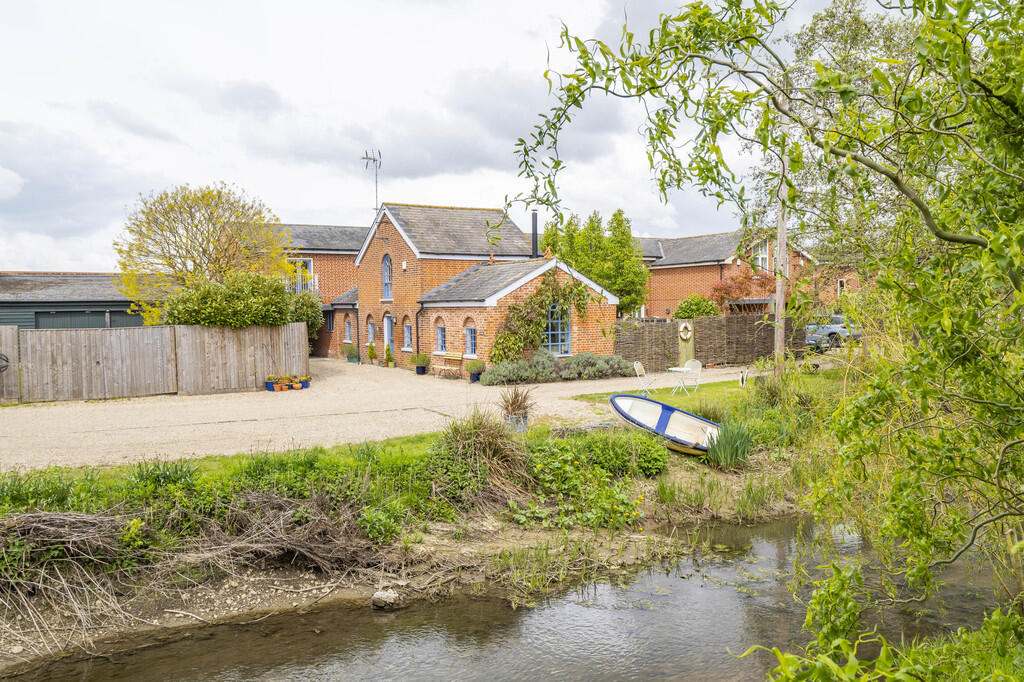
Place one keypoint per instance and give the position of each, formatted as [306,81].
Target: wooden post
[781,260]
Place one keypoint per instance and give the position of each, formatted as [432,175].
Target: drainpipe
[359,353]
[418,328]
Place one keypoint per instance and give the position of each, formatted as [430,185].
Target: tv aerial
[373,157]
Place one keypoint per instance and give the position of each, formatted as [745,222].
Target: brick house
[324,257]
[682,266]
[435,279]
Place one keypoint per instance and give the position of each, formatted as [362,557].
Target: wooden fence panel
[219,359]
[88,364]
[10,389]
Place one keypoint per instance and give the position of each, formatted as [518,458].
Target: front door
[389,332]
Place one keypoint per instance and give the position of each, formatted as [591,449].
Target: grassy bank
[84,548]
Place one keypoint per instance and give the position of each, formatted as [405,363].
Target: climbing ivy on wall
[524,326]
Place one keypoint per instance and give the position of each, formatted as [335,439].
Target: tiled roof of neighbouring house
[459,231]
[706,248]
[650,248]
[326,237]
[47,286]
[349,298]
[481,281]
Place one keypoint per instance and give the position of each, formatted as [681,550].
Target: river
[681,622]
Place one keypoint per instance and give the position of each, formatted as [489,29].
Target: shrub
[695,306]
[475,366]
[389,357]
[732,447]
[516,402]
[420,359]
[371,351]
[350,351]
[381,523]
[544,367]
[243,299]
[711,411]
[621,452]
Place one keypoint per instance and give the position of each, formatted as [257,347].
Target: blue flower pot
[473,378]
[305,384]
[269,385]
[421,370]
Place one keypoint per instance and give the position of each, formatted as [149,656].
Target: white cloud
[10,184]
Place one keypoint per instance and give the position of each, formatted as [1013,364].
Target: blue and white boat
[683,432]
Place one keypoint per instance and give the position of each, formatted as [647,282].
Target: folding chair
[644,382]
[691,376]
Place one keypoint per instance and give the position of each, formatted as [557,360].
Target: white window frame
[406,336]
[371,332]
[387,285]
[762,255]
[840,287]
[330,321]
[304,279]
[467,333]
[440,340]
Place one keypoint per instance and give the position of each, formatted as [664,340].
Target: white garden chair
[644,382]
[691,376]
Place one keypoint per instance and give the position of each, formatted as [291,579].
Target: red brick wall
[336,274]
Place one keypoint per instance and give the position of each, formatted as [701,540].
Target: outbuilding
[63,300]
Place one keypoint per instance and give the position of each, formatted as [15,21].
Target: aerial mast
[373,156]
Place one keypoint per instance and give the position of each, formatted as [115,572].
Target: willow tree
[941,131]
[185,234]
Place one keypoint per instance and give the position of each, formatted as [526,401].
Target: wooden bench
[450,363]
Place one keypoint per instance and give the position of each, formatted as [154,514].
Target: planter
[305,384]
[269,385]
[391,364]
[278,387]
[421,370]
[297,386]
[283,387]
[354,358]
[473,378]
[516,422]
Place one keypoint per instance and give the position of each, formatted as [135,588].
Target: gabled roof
[485,283]
[349,299]
[706,248]
[448,231]
[650,248]
[326,237]
[55,287]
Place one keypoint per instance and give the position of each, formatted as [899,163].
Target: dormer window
[385,278]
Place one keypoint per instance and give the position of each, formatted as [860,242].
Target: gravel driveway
[347,403]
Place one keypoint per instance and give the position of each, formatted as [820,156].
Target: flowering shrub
[543,367]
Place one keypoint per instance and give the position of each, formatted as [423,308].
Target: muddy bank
[489,559]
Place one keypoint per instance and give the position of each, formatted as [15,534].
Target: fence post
[10,378]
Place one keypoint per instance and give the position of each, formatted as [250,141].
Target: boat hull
[683,432]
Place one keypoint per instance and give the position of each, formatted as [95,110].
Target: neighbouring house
[63,300]
[683,266]
[324,258]
[440,279]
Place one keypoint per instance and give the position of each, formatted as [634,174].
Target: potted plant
[475,369]
[296,384]
[372,353]
[389,357]
[420,361]
[515,405]
[351,353]
[271,380]
[305,381]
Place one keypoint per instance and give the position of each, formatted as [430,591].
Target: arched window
[385,278]
[371,330]
[406,333]
[558,332]
[440,340]
[348,328]
[469,336]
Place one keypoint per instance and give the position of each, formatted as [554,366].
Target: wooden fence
[86,364]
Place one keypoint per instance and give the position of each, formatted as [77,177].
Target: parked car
[832,332]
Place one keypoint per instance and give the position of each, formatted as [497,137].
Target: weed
[756,495]
[714,412]
[731,448]
[621,452]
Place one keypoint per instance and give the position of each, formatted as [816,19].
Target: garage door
[120,318]
[72,319]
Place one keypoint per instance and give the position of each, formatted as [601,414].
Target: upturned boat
[682,431]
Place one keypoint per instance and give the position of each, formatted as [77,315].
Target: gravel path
[347,403]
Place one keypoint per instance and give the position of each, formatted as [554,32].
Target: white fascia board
[492,300]
[373,230]
[692,265]
[456,304]
[320,252]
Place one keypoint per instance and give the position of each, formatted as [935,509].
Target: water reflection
[679,622]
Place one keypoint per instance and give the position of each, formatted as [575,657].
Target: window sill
[387,300]
[346,340]
[440,352]
[468,357]
[406,349]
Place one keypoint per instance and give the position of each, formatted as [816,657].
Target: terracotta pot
[296,386]
[278,387]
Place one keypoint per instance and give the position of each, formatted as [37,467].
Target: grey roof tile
[481,281]
[650,248]
[349,298]
[706,248]
[459,231]
[326,237]
[59,287]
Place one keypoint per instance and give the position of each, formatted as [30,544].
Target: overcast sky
[104,101]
